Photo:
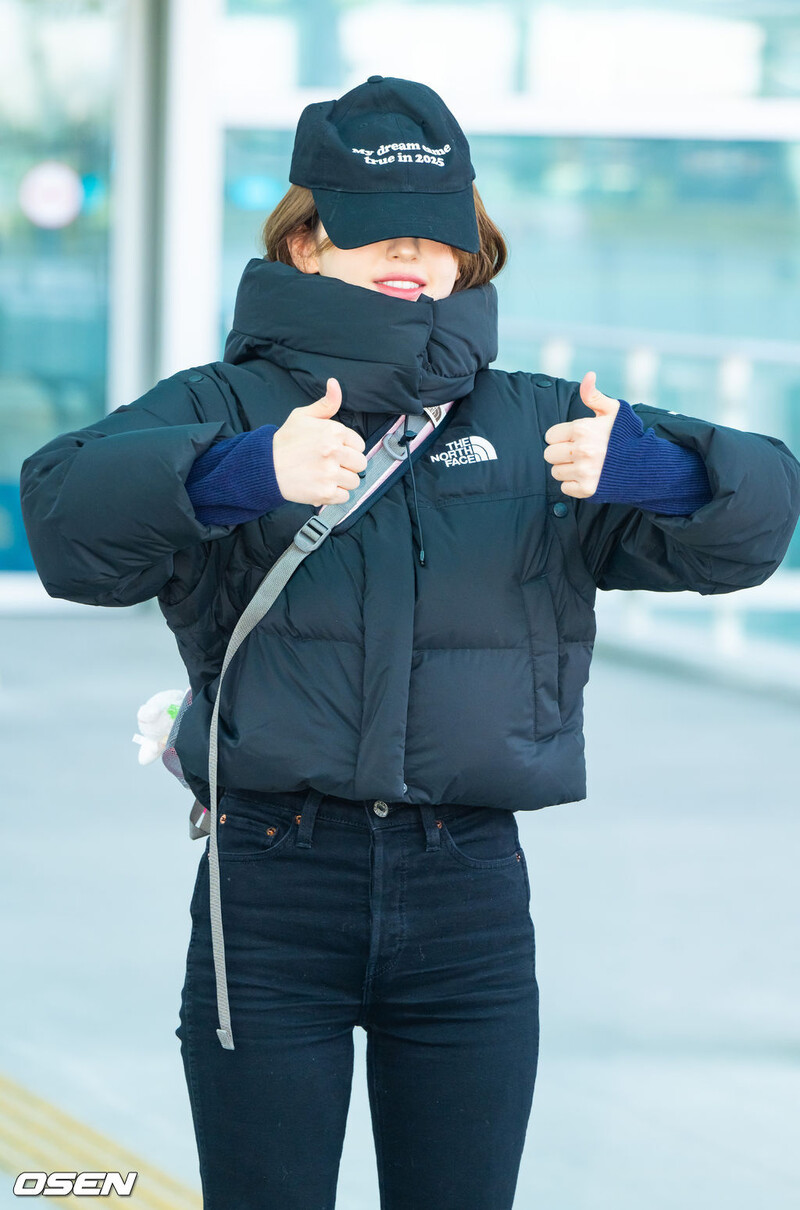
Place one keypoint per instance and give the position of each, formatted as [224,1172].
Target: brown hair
[296,212]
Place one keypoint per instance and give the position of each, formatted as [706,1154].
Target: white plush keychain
[155,719]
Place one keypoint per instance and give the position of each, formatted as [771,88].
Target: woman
[418,680]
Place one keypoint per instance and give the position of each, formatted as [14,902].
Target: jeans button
[380,808]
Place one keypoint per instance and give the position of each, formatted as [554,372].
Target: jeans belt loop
[307,817]
[432,833]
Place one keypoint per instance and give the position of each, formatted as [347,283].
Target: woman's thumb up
[329,404]
[318,459]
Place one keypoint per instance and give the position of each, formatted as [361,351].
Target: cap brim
[354,219]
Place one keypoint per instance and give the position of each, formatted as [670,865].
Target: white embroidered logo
[407,153]
[466,449]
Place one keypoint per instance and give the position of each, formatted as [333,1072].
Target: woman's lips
[398,292]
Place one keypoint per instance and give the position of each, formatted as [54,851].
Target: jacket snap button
[560,509]
[195,378]
[543,382]
[374,79]
[405,787]
[380,808]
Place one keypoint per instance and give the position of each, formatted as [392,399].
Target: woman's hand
[316,458]
[577,448]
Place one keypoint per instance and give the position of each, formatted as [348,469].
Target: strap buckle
[310,535]
[394,445]
[199,821]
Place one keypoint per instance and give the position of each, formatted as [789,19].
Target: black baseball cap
[387,159]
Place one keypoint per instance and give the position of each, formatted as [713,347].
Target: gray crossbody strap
[391,455]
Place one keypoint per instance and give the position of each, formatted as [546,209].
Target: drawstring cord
[408,436]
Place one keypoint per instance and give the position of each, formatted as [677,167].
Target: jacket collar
[390,355]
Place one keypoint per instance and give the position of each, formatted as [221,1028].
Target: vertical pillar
[136,202]
[191,230]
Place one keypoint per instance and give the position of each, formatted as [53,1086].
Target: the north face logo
[467,449]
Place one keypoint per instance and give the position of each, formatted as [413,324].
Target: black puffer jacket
[372,676]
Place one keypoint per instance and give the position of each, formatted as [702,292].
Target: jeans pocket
[524,863]
[249,831]
[482,838]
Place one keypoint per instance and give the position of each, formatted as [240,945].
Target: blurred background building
[642,159]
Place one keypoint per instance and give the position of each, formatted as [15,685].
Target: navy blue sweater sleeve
[234,480]
[643,469]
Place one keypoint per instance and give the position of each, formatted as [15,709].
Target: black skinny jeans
[412,922]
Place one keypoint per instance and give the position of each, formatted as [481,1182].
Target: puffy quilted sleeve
[105,508]
[736,540]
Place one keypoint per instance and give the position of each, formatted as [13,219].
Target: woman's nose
[404,244]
